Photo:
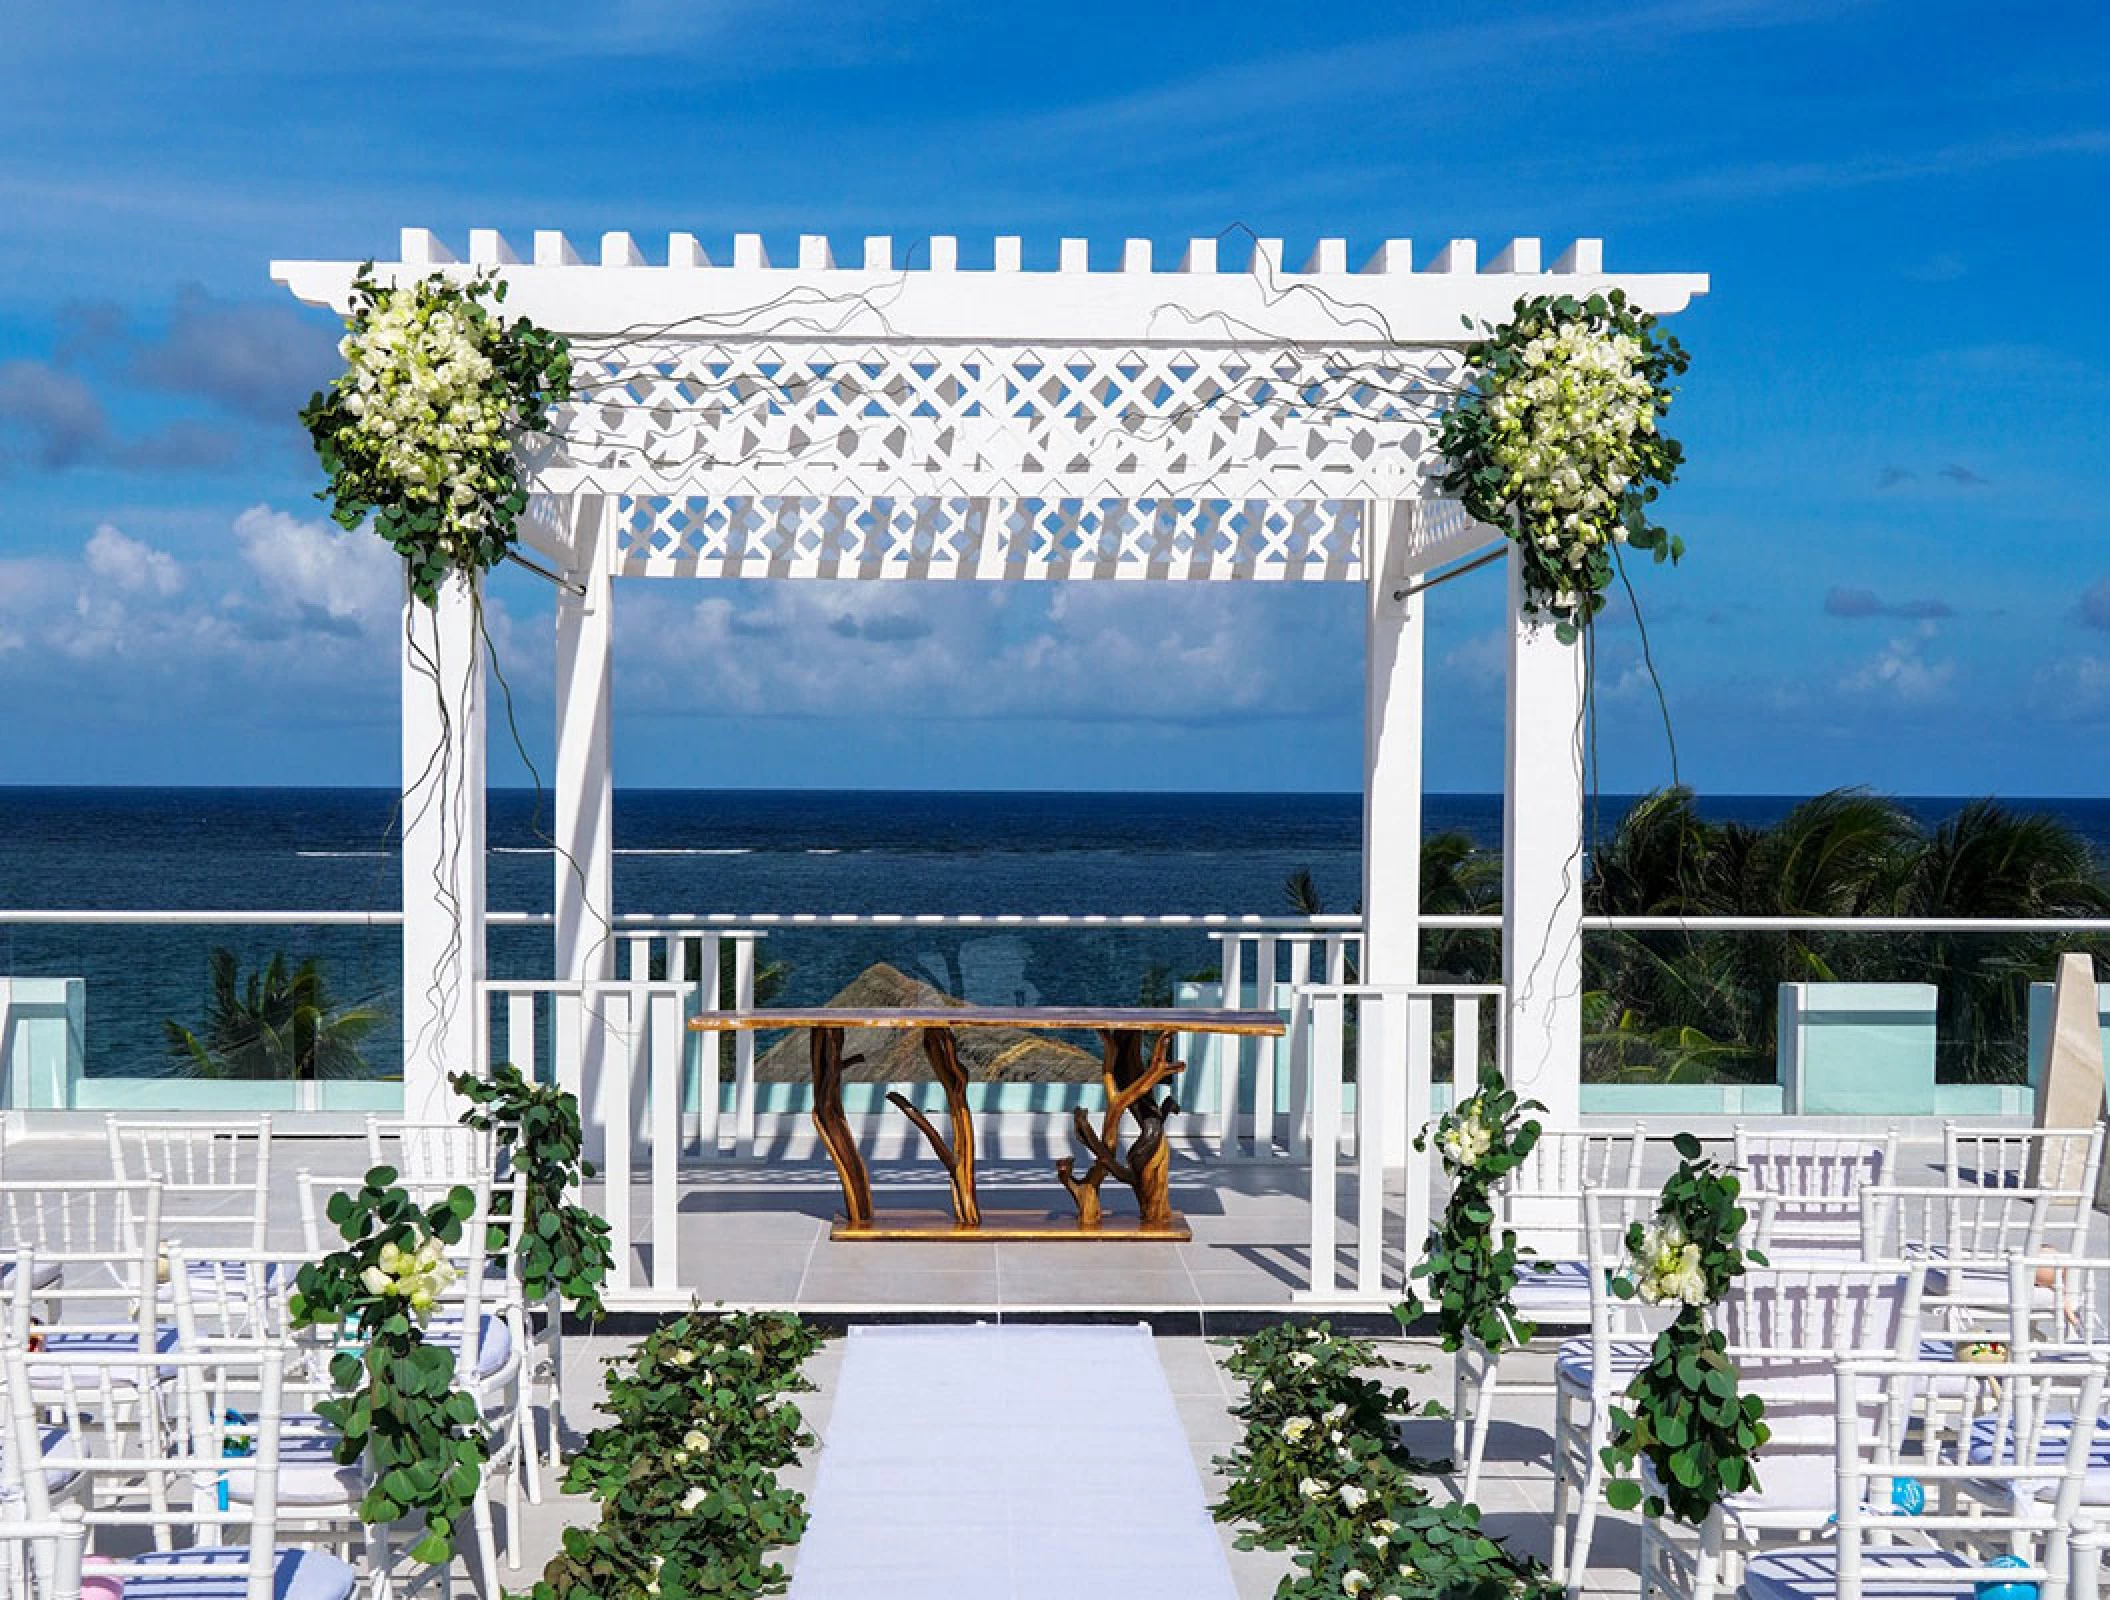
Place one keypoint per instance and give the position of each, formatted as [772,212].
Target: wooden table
[1136,1061]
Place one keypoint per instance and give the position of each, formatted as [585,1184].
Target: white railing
[1397,1027]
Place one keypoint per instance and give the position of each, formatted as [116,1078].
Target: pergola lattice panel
[826,420]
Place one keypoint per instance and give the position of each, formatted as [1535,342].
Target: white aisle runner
[1006,1463]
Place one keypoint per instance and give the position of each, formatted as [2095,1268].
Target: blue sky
[1896,419]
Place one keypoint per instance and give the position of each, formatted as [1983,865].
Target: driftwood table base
[1007,1227]
[1137,1063]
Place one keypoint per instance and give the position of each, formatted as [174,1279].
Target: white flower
[1303,1360]
[1354,1581]
[696,1441]
[1311,1488]
[694,1498]
[1296,1428]
[1354,1496]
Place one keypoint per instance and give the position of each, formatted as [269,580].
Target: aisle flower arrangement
[1559,444]
[1684,1416]
[398,1405]
[1470,1270]
[419,430]
[686,1473]
[1320,1471]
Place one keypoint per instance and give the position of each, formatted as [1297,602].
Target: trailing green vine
[1684,1415]
[1470,1269]
[1559,443]
[686,1472]
[564,1248]
[1320,1470]
[397,1405]
[418,431]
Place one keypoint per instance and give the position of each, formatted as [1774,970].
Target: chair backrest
[1969,1225]
[1786,1326]
[434,1151]
[2036,1485]
[2057,1302]
[1802,1166]
[228,1410]
[1542,1196]
[215,1177]
[221,1295]
[41,1560]
[1607,1215]
[2069,1159]
[104,1237]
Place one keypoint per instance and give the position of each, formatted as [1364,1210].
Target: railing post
[669,1037]
[1229,1048]
[1378,1035]
[1328,1012]
[1296,1140]
[709,1047]
[1266,1052]
[744,1044]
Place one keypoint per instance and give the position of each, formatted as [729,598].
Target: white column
[585,793]
[444,1028]
[1542,865]
[1392,787]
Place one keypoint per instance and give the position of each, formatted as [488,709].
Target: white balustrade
[1396,1032]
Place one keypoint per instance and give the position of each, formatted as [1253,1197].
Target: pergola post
[1542,864]
[585,809]
[1392,795]
[443,847]
[585,788]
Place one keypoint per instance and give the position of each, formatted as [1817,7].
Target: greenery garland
[1559,443]
[564,1248]
[1471,1272]
[1684,1415]
[418,431]
[1320,1470]
[398,1404]
[686,1474]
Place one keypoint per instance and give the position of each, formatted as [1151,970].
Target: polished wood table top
[1103,1019]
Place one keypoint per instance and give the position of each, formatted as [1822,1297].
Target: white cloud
[346,576]
[1903,671]
[131,565]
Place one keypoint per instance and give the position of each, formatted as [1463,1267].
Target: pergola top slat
[921,290]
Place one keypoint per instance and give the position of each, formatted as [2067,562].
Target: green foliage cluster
[1469,1268]
[428,459]
[278,1023]
[1684,1415]
[398,1404]
[1559,480]
[1320,1470]
[564,1248]
[1704,1006]
[686,1473]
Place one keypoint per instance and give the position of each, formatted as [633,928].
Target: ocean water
[686,852]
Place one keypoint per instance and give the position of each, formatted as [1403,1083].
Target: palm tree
[276,1025]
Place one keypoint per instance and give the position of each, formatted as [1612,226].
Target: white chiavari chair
[171,1490]
[1785,1329]
[1591,1372]
[1816,1181]
[2019,1536]
[480,1318]
[1542,1200]
[1967,1235]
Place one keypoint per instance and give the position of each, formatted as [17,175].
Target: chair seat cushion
[1553,1291]
[61,1460]
[494,1343]
[86,1378]
[216,1574]
[41,1276]
[1572,1362]
[1990,1442]
[1892,1574]
[309,1474]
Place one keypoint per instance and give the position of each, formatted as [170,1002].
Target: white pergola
[902,417]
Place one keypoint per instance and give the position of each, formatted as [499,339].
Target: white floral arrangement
[418,431]
[1463,1137]
[1667,1269]
[1560,445]
[417,1276]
